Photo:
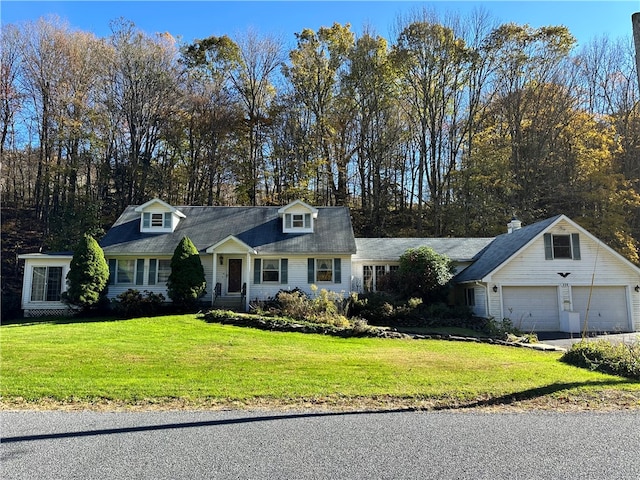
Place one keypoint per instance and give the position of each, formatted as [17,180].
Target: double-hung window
[130,271]
[270,270]
[156,220]
[297,222]
[564,246]
[159,271]
[46,284]
[324,270]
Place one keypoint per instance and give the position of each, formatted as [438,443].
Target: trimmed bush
[88,275]
[186,283]
[132,303]
[605,357]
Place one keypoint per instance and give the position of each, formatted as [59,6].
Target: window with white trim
[563,246]
[270,270]
[297,222]
[470,297]
[373,275]
[129,271]
[324,270]
[46,284]
[157,221]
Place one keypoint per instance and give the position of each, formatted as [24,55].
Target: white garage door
[532,309]
[607,310]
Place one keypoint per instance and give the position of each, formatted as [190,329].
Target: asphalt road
[308,445]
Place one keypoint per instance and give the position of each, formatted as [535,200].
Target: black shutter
[311,270]
[575,242]
[337,270]
[548,247]
[257,274]
[284,270]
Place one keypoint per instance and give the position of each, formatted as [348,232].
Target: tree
[424,273]
[186,282]
[88,275]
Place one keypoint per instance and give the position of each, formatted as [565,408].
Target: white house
[549,276]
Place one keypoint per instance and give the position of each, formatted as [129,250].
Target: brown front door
[235,275]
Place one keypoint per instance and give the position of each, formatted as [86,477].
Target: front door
[235,275]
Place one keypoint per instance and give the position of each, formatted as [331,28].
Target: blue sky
[191,20]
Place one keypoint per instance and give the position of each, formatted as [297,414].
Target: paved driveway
[565,340]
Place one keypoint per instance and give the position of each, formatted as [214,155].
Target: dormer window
[158,217]
[156,220]
[297,220]
[298,217]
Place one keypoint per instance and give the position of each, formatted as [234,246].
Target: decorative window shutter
[337,270]
[113,263]
[140,271]
[287,220]
[575,243]
[311,270]
[146,220]
[257,274]
[152,271]
[284,270]
[307,220]
[167,220]
[548,248]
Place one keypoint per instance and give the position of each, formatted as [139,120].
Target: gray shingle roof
[385,249]
[258,227]
[501,249]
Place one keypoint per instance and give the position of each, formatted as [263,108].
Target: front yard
[184,362]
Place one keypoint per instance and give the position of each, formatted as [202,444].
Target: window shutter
[575,243]
[151,280]
[167,219]
[257,264]
[311,273]
[307,220]
[287,218]
[548,248]
[284,270]
[337,270]
[146,220]
[140,271]
[112,271]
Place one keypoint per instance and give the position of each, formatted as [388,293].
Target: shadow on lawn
[502,400]
[531,394]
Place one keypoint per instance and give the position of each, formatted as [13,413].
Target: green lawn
[183,358]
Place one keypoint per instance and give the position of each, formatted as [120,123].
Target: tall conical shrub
[186,283]
[88,274]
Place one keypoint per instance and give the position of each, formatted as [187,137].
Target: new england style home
[552,275]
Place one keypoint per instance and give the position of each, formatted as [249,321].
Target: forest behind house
[449,128]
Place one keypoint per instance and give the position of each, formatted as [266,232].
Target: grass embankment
[176,361]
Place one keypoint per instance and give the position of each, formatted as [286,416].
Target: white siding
[297,278]
[597,264]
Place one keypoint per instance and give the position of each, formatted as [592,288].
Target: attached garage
[608,310]
[532,309]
